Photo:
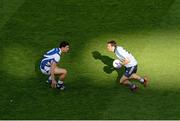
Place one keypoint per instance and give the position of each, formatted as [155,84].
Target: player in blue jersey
[130,63]
[48,65]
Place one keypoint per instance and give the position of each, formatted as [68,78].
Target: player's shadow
[108,68]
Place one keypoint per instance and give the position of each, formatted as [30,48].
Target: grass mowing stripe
[38,25]
[7,9]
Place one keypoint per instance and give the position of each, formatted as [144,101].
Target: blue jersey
[51,56]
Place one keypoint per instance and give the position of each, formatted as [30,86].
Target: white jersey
[122,54]
[51,56]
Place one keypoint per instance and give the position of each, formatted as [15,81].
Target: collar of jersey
[115,49]
[59,51]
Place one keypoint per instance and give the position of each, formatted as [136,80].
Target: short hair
[112,42]
[63,44]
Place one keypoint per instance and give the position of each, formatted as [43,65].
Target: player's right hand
[53,84]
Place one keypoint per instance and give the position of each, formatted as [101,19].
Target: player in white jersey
[130,63]
[49,66]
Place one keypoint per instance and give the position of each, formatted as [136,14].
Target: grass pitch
[149,29]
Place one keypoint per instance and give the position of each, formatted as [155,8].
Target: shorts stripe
[131,70]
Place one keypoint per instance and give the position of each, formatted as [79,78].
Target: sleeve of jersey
[56,58]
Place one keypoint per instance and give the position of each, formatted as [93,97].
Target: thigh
[59,70]
[135,76]
[123,78]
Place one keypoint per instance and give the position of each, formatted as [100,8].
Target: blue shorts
[130,70]
[45,69]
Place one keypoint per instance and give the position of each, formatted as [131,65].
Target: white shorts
[46,70]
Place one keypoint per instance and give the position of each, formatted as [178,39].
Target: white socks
[60,82]
[49,78]
[141,80]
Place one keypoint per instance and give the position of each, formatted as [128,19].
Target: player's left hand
[53,84]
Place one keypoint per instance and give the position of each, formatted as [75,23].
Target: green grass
[149,29]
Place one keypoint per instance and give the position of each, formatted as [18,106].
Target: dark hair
[63,44]
[112,42]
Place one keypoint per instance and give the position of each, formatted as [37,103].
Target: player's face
[66,49]
[110,47]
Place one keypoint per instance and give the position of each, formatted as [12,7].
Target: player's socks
[142,80]
[133,87]
[60,85]
[60,82]
[49,80]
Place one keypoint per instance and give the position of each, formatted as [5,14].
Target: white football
[117,63]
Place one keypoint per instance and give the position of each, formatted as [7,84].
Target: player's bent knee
[121,81]
[65,71]
[60,71]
